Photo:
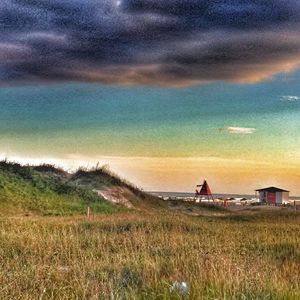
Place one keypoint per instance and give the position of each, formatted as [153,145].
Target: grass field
[49,249]
[140,254]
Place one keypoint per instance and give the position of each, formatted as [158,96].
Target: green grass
[197,205]
[139,255]
[46,190]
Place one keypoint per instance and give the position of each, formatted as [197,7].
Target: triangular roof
[271,189]
[205,189]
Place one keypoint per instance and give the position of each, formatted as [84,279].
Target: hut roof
[271,189]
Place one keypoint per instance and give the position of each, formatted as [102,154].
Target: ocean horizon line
[190,194]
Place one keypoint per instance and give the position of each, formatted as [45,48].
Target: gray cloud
[174,43]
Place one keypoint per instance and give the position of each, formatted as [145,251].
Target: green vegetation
[199,205]
[138,253]
[46,190]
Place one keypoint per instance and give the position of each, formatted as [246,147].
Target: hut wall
[279,197]
[285,196]
[262,197]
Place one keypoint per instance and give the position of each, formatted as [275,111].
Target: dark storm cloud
[147,42]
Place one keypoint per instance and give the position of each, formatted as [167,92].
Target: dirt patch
[116,195]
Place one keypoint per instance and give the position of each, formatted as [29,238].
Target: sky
[166,93]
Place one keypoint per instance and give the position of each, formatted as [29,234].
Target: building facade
[272,196]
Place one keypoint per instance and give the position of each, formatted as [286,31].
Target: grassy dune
[138,255]
[46,190]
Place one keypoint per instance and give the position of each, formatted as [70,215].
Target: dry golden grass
[138,255]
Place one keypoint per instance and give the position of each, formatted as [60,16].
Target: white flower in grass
[180,287]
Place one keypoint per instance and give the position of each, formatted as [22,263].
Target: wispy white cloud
[290,98]
[238,130]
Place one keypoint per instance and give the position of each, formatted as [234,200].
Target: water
[183,195]
[187,195]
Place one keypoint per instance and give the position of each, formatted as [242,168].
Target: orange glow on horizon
[182,174]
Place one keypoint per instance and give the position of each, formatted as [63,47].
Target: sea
[187,195]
